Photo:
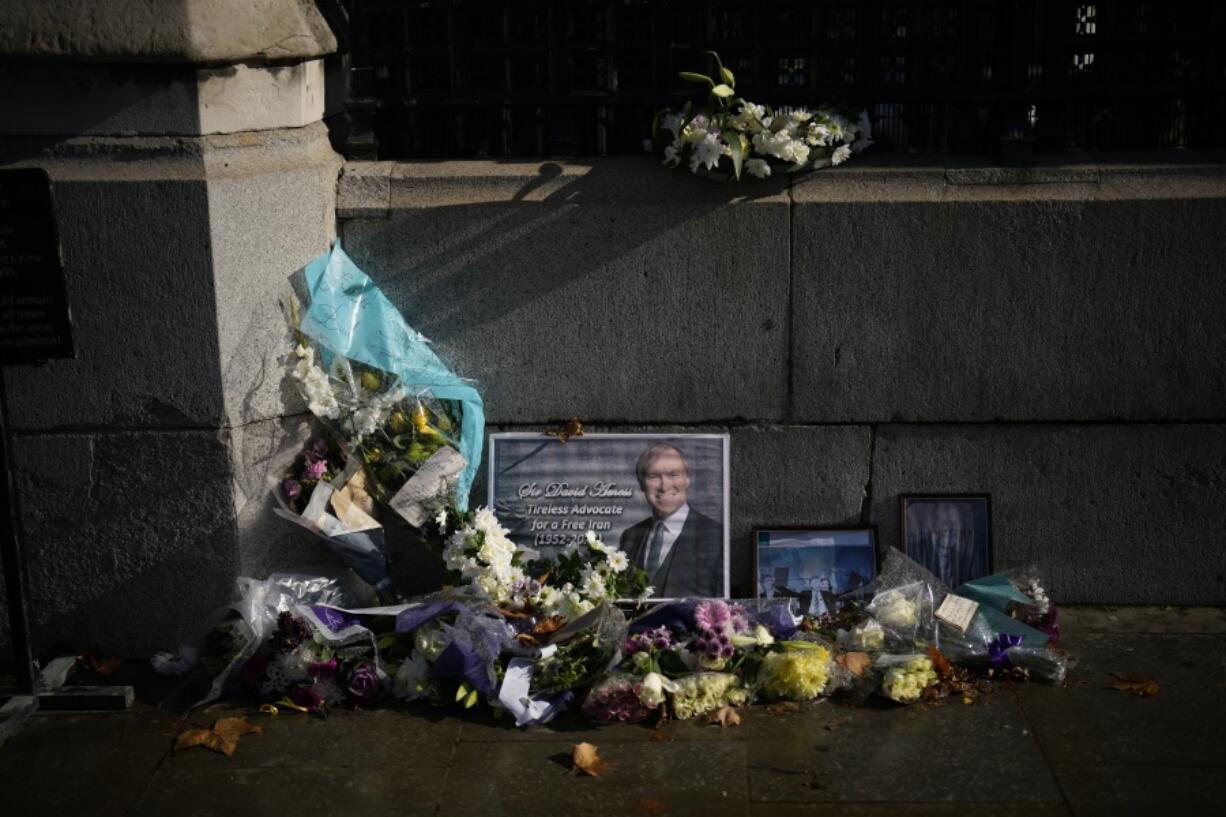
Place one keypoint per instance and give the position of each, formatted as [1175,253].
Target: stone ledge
[99,100]
[165,31]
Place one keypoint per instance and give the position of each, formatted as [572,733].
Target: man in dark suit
[948,546]
[680,548]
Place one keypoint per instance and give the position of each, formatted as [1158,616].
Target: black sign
[34,320]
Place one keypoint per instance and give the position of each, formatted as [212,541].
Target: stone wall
[1050,336]
[192,175]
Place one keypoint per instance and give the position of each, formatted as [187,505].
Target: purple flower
[292,488]
[322,669]
[363,683]
[318,450]
[308,697]
[712,616]
[315,469]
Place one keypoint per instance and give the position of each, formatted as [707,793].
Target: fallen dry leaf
[102,666]
[235,728]
[658,736]
[222,738]
[940,663]
[1138,685]
[651,805]
[572,429]
[725,716]
[784,708]
[587,760]
[834,726]
[855,662]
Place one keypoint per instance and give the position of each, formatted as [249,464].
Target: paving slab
[1088,722]
[303,791]
[357,739]
[84,765]
[908,809]
[979,753]
[1094,789]
[650,778]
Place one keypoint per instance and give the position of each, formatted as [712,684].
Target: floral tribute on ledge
[529,636]
[731,135]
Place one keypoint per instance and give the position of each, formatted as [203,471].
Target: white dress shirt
[673,523]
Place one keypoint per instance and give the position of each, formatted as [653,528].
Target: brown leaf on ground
[222,738]
[235,728]
[651,805]
[940,663]
[658,736]
[103,666]
[725,716]
[206,738]
[587,760]
[1138,685]
[836,725]
[855,662]
[784,708]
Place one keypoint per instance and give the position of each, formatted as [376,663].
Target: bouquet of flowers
[905,677]
[731,133]
[376,384]
[327,497]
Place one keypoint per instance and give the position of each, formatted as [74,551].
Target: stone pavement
[1082,750]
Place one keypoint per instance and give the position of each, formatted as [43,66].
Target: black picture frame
[801,587]
[974,557]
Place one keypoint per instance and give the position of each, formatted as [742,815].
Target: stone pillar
[192,175]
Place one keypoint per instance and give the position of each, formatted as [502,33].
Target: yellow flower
[796,674]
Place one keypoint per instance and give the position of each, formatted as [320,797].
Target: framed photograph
[813,565]
[662,498]
[951,535]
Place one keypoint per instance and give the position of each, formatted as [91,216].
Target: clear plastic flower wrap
[252,619]
[585,649]
[905,602]
[1019,594]
[903,678]
[377,384]
[995,641]
[328,496]
[618,697]
[704,692]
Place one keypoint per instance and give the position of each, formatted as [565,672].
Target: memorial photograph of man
[949,536]
[681,548]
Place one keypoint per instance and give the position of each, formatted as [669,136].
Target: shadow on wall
[590,289]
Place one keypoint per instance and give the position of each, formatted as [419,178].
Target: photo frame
[813,565]
[661,498]
[949,534]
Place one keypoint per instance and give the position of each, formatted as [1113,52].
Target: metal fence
[530,78]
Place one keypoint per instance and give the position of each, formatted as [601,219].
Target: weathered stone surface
[1088,722]
[1111,513]
[144,315]
[318,790]
[510,781]
[1095,790]
[129,537]
[166,31]
[88,765]
[802,476]
[607,290]
[1095,298]
[990,756]
[178,292]
[271,209]
[81,99]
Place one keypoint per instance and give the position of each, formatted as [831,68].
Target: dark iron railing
[530,78]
